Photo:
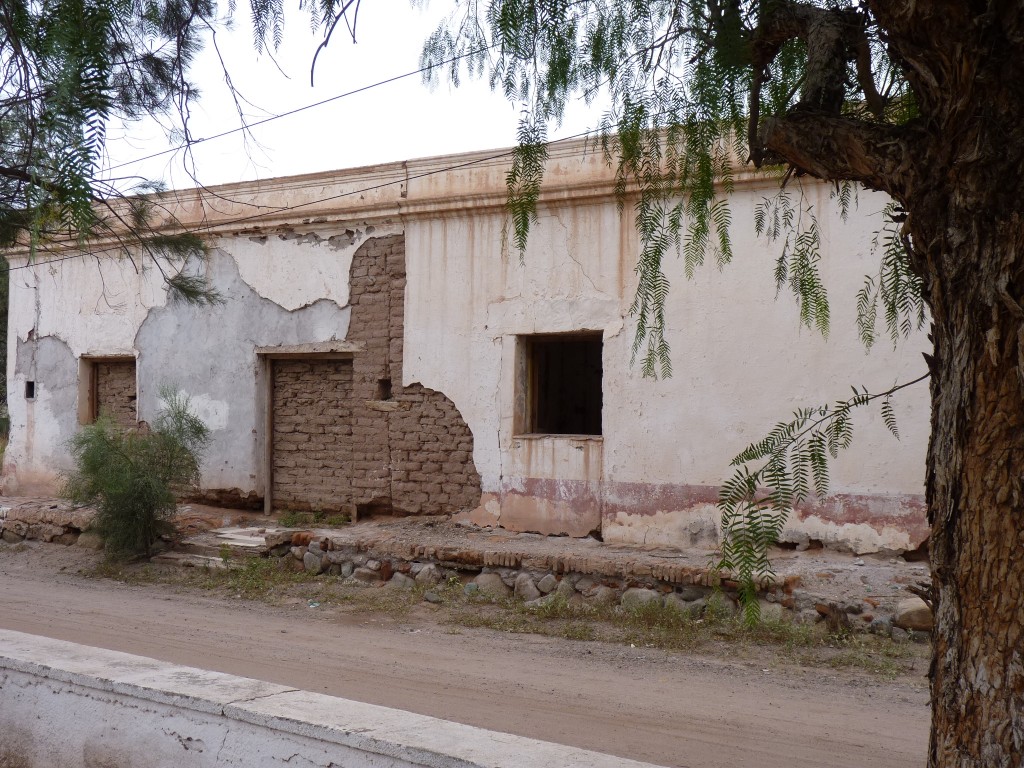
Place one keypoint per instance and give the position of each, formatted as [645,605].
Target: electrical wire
[297,110]
[285,209]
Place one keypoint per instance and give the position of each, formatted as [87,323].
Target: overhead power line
[297,110]
[285,209]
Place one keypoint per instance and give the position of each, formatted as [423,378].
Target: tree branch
[18,174]
[927,41]
[833,147]
[833,38]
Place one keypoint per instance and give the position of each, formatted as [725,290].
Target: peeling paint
[297,269]
[210,354]
[36,453]
[740,363]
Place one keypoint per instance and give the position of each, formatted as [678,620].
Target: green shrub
[132,476]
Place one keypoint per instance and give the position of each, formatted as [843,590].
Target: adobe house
[380,350]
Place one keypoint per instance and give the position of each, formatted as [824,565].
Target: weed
[554,606]
[450,591]
[131,477]
[496,619]
[579,630]
[117,569]
[260,575]
[869,653]
[656,625]
[316,518]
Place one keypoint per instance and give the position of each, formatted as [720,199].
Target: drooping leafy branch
[791,468]
[68,69]
[794,226]
[896,286]
[793,459]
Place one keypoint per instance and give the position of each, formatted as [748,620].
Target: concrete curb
[256,723]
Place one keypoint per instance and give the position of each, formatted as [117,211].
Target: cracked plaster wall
[280,289]
[305,266]
[210,354]
[58,313]
[741,363]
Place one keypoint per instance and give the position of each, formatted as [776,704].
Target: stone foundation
[540,580]
[46,520]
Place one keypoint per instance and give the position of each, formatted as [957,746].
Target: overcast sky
[389,122]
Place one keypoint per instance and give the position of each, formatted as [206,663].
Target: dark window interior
[564,384]
[30,390]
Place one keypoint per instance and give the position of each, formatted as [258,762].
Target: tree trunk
[974,486]
[957,168]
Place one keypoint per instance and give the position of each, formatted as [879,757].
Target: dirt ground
[720,708]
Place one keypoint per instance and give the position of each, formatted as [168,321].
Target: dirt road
[669,709]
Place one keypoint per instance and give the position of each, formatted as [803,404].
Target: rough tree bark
[974,486]
[976,510]
[968,244]
[958,171]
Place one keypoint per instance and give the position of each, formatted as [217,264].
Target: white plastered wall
[58,313]
[281,288]
[741,360]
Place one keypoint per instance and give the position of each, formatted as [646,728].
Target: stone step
[189,560]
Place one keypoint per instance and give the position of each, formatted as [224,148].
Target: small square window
[559,387]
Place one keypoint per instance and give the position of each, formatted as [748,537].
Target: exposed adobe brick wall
[353,445]
[115,391]
[412,453]
[312,434]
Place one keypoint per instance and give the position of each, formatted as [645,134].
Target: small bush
[131,476]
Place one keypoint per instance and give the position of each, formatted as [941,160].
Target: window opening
[30,390]
[561,382]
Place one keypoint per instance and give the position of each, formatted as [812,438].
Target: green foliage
[67,69]
[791,466]
[795,226]
[896,287]
[132,477]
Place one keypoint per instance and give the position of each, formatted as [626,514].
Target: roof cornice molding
[433,187]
